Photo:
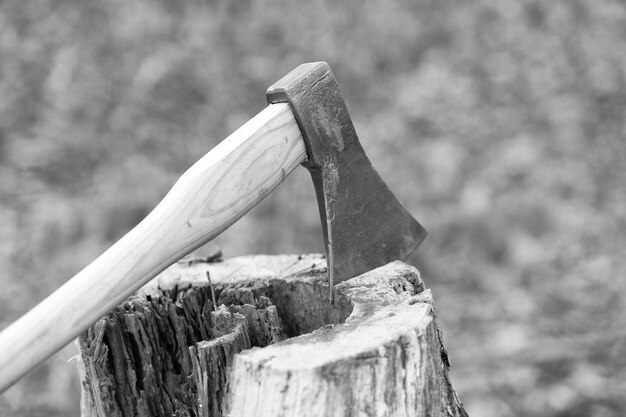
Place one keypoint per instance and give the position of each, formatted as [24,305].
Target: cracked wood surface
[168,351]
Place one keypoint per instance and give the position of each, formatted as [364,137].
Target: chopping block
[255,336]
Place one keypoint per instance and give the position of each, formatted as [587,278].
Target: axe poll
[364,225]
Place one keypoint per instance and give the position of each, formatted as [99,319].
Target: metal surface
[364,224]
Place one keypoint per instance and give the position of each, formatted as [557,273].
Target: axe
[306,123]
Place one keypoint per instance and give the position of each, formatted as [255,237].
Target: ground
[499,124]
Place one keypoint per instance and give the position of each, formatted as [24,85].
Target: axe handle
[213,194]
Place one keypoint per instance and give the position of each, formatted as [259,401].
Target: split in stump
[275,346]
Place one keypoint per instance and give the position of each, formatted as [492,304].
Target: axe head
[364,224]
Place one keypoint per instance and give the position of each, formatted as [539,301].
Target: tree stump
[256,336]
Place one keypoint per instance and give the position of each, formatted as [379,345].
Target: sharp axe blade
[364,224]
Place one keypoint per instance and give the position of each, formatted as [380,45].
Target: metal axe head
[364,224]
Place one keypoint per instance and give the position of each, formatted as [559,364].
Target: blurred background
[499,124]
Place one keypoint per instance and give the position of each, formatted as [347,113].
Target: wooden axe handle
[212,195]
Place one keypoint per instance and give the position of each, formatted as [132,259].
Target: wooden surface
[168,351]
[209,197]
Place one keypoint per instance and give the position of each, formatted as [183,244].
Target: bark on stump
[273,347]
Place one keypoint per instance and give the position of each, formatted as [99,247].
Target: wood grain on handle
[213,194]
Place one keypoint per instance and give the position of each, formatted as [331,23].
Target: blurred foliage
[500,124]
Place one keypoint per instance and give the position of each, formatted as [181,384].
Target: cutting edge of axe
[306,122]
